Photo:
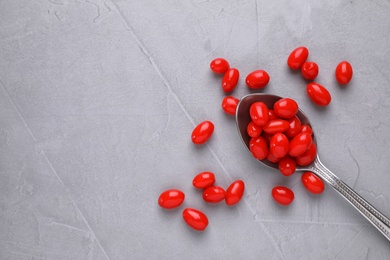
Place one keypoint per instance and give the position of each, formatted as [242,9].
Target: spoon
[375,217]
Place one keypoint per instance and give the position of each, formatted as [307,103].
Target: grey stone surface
[98,100]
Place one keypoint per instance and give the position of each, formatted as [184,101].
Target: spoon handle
[380,221]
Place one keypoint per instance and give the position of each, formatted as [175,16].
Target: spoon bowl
[374,216]
[243,119]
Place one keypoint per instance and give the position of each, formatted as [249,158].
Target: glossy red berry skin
[306,129]
[229,105]
[272,115]
[213,194]
[318,94]
[276,126]
[282,195]
[295,127]
[219,65]
[285,108]
[196,219]
[297,57]
[307,157]
[253,130]
[344,72]
[287,166]
[309,70]
[312,183]
[202,132]
[258,112]
[272,158]
[257,79]
[259,147]
[234,192]
[230,80]
[203,180]
[279,145]
[300,144]
[170,199]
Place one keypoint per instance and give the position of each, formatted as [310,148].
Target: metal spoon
[380,221]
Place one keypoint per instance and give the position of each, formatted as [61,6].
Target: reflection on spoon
[380,221]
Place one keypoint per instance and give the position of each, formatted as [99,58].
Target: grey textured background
[98,100]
